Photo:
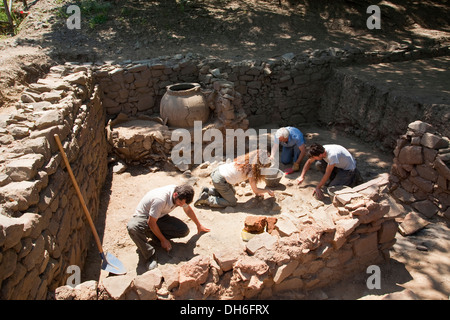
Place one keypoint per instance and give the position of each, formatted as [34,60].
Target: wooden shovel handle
[80,196]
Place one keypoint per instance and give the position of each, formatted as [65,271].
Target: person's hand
[202,228]
[295,167]
[300,180]
[318,193]
[270,192]
[166,245]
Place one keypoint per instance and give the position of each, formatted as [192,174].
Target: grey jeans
[227,193]
[139,232]
[338,177]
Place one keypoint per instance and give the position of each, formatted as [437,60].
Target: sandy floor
[424,273]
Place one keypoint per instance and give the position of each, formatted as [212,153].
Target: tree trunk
[8,14]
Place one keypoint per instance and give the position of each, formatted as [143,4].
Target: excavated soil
[237,30]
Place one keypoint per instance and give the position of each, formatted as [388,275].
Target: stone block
[285,271]
[263,240]
[425,185]
[285,226]
[387,231]
[247,266]
[36,255]
[77,78]
[193,273]
[84,291]
[366,245]
[405,294]
[396,209]
[411,155]
[147,283]
[117,286]
[347,225]
[426,207]
[12,231]
[323,218]
[427,173]
[403,195]
[347,197]
[37,146]
[442,168]
[255,224]
[8,264]
[376,211]
[170,275]
[226,258]
[433,141]
[420,127]
[412,223]
[24,167]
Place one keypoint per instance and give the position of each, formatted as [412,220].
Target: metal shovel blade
[111,264]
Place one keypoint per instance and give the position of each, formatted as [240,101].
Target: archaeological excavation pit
[108,117]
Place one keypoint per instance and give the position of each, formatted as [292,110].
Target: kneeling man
[337,163]
[152,220]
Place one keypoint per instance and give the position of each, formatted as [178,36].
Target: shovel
[109,262]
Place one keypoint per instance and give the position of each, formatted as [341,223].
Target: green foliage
[96,11]
[17,17]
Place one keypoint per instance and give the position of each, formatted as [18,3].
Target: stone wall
[283,90]
[303,251]
[376,103]
[43,229]
[292,89]
[42,226]
[420,175]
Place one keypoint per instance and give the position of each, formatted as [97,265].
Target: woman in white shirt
[245,167]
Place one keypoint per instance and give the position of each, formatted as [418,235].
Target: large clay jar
[182,104]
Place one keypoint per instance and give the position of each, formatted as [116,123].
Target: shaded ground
[426,81]
[230,29]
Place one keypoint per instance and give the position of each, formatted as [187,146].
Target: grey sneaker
[203,199]
[210,191]
[151,263]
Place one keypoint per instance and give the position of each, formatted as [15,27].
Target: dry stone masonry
[420,175]
[42,226]
[300,251]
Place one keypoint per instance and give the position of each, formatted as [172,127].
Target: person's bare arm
[152,223]
[324,180]
[257,190]
[305,169]
[191,214]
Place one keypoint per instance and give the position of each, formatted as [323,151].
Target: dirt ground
[230,29]
[234,30]
[423,272]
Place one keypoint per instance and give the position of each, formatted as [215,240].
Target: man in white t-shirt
[152,220]
[340,166]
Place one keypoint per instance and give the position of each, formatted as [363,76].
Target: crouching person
[152,220]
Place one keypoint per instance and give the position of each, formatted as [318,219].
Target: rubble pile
[420,175]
